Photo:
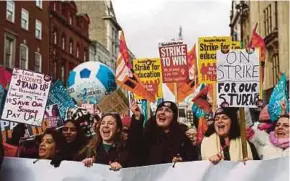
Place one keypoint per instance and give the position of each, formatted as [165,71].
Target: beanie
[170,105]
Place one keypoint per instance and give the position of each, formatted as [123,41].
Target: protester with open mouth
[106,147]
[224,143]
[48,144]
[162,139]
[276,143]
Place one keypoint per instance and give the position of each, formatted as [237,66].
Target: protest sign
[52,115]
[149,73]
[16,169]
[174,62]
[89,107]
[238,78]
[115,102]
[236,45]
[59,95]
[26,98]
[207,47]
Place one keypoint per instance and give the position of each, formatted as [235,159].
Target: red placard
[174,63]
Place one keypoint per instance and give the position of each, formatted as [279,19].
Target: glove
[56,161]
[249,133]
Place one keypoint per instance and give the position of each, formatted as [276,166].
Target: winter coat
[265,148]
[211,146]
[157,147]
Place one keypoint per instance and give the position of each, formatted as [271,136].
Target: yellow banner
[207,47]
[236,45]
[149,73]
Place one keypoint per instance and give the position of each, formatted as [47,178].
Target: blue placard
[58,95]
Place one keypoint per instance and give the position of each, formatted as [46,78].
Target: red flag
[184,89]
[258,42]
[202,128]
[201,99]
[125,77]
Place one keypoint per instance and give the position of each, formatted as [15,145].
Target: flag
[125,76]
[258,42]
[184,89]
[201,99]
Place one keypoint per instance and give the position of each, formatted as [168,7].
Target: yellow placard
[149,72]
[236,45]
[207,47]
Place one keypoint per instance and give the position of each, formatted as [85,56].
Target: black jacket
[156,147]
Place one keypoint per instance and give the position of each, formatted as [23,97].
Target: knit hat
[170,105]
[229,111]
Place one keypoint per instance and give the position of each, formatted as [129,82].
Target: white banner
[238,78]
[20,169]
[26,97]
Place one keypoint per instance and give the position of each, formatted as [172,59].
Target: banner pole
[243,132]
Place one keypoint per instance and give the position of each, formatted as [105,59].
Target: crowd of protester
[128,142]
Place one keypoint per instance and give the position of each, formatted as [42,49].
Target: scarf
[279,142]
[211,146]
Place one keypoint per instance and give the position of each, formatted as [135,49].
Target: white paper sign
[238,78]
[26,97]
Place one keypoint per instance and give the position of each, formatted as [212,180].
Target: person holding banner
[163,140]
[48,145]
[224,142]
[107,147]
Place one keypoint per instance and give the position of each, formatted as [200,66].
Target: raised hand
[216,158]
[135,110]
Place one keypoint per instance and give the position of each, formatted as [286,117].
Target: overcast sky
[147,22]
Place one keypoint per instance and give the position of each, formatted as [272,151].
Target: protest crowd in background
[88,132]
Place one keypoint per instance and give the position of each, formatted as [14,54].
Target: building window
[23,56]
[9,51]
[10,10]
[62,74]
[55,37]
[63,42]
[54,69]
[78,51]
[275,68]
[70,20]
[85,55]
[38,29]
[38,62]
[24,19]
[70,46]
[39,3]
[54,6]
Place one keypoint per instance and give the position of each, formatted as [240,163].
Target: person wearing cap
[107,146]
[162,140]
[224,141]
[75,135]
